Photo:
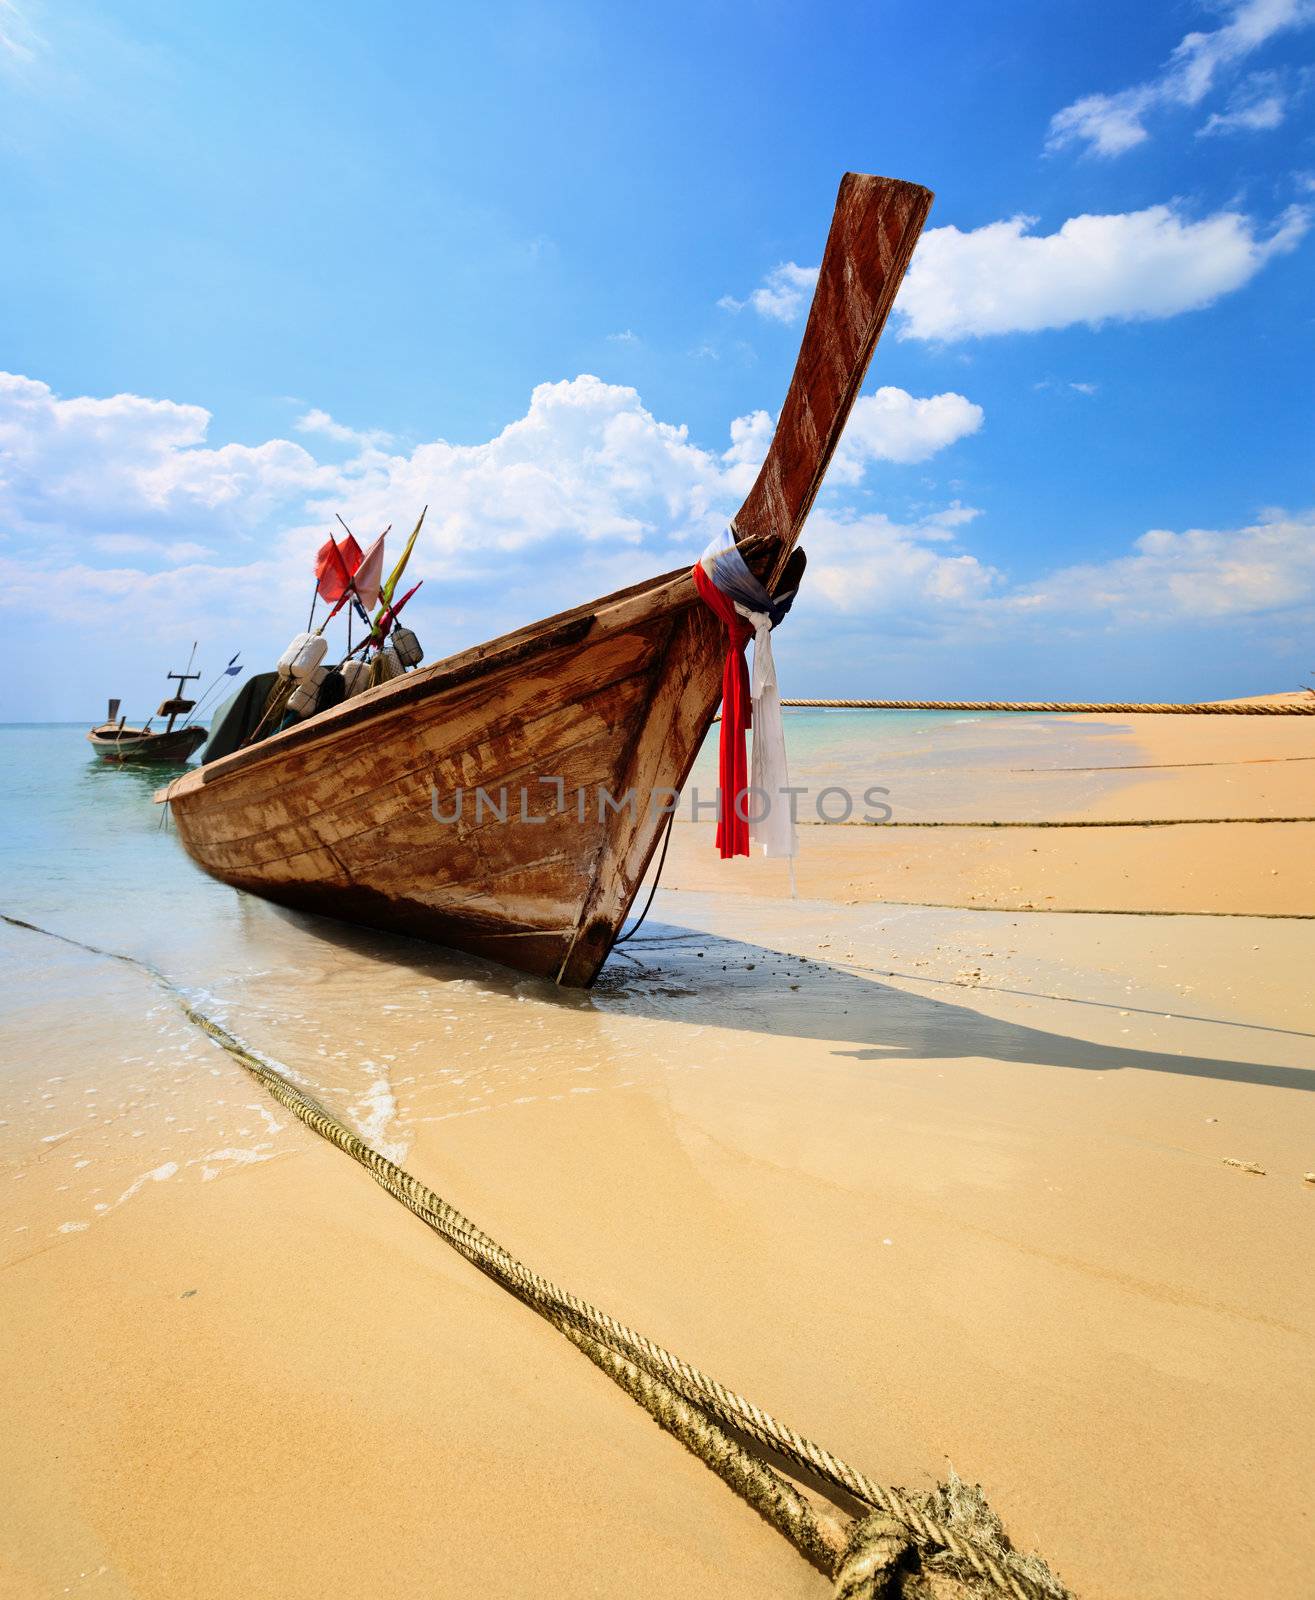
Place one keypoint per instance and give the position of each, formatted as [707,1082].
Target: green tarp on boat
[237,719]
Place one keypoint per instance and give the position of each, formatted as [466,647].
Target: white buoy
[305,697]
[355,676]
[407,647]
[291,654]
[307,660]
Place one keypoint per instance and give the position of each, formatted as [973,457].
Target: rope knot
[867,1571]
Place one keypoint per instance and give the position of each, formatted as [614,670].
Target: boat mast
[176,704]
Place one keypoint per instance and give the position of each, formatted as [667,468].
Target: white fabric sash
[769,773]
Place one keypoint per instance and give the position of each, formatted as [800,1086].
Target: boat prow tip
[906,184]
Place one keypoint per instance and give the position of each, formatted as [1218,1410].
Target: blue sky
[544,267]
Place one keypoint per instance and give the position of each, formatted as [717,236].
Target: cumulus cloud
[890,425]
[107,504]
[871,564]
[134,466]
[1003,278]
[1260,574]
[1110,124]
[1198,575]
[587,463]
[109,501]
[585,492]
[781,297]
[893,425]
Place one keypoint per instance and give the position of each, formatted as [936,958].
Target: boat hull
[578,730]
[481,803]
[180,745]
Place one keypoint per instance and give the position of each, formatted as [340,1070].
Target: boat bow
[339,814]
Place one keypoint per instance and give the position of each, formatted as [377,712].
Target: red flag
[389,616]
[334,566]
[736,715]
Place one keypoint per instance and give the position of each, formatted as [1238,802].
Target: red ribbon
[736,717]
[389,614]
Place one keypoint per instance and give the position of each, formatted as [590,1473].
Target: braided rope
[615,1348]
[1114,822]
[1248,708]
[818,1538]
[877,1545]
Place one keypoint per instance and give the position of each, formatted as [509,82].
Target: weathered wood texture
[336,815]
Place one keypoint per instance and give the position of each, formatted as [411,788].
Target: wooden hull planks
[341,815]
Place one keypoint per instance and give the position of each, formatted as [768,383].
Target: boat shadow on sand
[687,976]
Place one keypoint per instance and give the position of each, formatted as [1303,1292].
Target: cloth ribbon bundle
[754,802]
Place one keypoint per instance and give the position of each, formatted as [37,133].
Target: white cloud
[1110,124]
[893,425]
[131,544]
[588,463]
[869,563]
[121,502]
[1088,389]
[782,295]
[890,425]
[128,465]
[320,422]
[1198,575]
[1258,106]
[19,40]
[1260,115]
[1002,278]
[584,493]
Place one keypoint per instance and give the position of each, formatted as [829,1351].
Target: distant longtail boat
[114,740]
[340,814]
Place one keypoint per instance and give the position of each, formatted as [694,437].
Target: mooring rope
[688,1403]
[653,889]
[1109,822]
[1246,708]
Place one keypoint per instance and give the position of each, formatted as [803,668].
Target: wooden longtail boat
[114,740]
[336,815]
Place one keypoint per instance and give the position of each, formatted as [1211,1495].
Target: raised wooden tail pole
[614,698]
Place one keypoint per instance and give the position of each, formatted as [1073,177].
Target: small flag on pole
[388,616]
[369,574]
[334,565]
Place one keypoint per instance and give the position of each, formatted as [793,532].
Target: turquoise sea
[106,1090]
[83,846]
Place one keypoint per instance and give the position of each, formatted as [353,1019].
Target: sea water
[107,1092]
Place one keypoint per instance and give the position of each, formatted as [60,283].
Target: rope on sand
[1112,822]
[1245,708]
[944,1546]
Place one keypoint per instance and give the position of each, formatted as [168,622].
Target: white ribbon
[769,774]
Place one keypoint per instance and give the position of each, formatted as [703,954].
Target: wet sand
[1162,770]
[938,1186]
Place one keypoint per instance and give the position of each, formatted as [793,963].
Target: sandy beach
[933,1161]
